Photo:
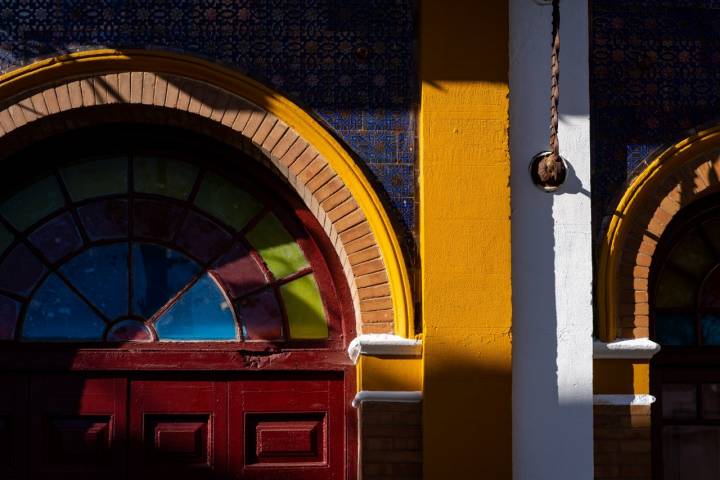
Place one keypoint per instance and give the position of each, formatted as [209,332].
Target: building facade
[299,239]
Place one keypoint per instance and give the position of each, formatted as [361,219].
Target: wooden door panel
[13,427]
[77,427]
[178,427]
[287,429]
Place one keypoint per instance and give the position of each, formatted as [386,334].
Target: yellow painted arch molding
[92,62]
[631,204]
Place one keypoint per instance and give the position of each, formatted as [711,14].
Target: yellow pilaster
[465,240]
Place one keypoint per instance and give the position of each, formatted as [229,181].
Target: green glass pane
[33,203]
[304,307]
[693,255]
[279,250]
[6,239]
[226,202]
[163,177]
[675,290]
[96,178]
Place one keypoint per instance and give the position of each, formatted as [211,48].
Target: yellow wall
[621,376]
[465,240]
[401,374]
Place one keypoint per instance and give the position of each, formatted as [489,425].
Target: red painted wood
[178,427]
[77,427]
[43,357]
[13,426]
[287,408]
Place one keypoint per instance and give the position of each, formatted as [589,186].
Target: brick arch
[162,98]
[679,176]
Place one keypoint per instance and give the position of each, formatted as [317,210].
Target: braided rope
[550,169]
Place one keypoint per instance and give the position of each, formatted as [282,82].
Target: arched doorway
[167,306]
[685,320]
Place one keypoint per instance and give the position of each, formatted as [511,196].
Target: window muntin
[147,248]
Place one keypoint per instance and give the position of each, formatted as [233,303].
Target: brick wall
[654,209]
[622,442]
[390,441]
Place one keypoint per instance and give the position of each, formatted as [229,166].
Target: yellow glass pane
[277,247]
[304,307]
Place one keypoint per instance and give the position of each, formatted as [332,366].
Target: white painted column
[552,250]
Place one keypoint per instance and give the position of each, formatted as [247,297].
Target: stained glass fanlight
[686,296]
[152,249]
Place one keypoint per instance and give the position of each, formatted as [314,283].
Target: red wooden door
[13,426]
[187,425]
[287,429]
[77,427]
[178,427]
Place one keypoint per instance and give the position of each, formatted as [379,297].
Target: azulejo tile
[353,63]
[654,74]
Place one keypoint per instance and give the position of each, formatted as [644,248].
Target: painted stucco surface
[465,240]
[551,250]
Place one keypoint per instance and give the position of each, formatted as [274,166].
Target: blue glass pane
[202,313]
[158,275]
[675,328]
[101,275]
[710,325]
[56,314]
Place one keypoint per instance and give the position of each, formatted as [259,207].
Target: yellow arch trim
[94,62]
[631,204]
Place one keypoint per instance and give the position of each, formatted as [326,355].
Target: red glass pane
[261,316]
[105,219]
[710,295]
[57,238]
[129,331]
[9,313]
[20,271]
[238,272]
[202,238]
[155,220]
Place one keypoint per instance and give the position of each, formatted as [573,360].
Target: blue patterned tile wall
[352,62]
[654,74]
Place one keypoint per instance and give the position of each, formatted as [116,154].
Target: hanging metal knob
[548,169]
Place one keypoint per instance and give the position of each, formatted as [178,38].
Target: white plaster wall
[551,248]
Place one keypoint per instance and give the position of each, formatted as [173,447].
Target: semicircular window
[152,249]
[686,297]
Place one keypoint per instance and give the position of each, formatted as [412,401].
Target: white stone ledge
[384,345]
[623,400]
[386,396]
[640,348]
